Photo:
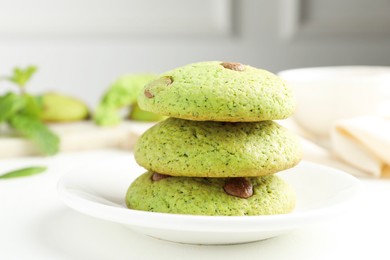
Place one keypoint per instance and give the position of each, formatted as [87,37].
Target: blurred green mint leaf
[23,172]
[33,106]
[10,104]
[34,129]
[21,76]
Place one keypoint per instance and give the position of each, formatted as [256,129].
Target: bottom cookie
[264,195]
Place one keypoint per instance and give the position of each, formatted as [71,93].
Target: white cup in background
[327,94]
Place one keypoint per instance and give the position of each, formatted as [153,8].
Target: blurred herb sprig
[22,111]
[21,76]
[24,172]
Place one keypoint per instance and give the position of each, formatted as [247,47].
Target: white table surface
[35,224]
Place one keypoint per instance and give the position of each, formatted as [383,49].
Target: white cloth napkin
[364,143]
[345,151]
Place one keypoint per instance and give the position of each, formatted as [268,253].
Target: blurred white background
[81,46]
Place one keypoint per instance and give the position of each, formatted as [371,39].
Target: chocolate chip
[158,176]
[233,66]
[148,94]
[238,187]
[167,80]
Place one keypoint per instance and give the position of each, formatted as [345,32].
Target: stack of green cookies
[218,151]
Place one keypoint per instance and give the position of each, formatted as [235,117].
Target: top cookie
[219,91]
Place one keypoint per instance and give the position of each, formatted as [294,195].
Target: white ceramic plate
[99,191]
